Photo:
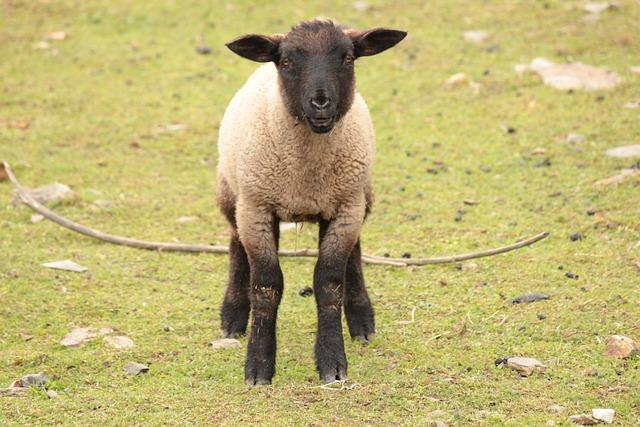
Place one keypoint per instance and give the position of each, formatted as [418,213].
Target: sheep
[296,143]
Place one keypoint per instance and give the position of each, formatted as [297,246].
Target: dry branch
[27,199]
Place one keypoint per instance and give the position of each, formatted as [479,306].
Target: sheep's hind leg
[235,307]
[357,305]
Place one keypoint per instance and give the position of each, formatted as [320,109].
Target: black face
[317,77]
[315,66]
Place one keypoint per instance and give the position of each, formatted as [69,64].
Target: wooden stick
[26,197]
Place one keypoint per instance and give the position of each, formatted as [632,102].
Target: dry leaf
[19,124]
[66,265]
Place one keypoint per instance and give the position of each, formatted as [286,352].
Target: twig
[27,199]
[342,383]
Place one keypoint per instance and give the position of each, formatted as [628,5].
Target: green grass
[128,68]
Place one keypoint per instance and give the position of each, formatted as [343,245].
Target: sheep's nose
[320,103]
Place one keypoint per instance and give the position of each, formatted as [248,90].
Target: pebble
[624,151]
[33,380]
[134,368]
[530,298]
[576,236]
[603,414]
[621,347]
[225,343]
[305,292]
[119,342]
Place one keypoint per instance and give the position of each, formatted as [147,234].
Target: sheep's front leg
[258,236]
[337,239]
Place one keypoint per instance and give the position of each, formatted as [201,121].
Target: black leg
[357,305]
[259,234]
[235,307]
[265,295]
[328,286]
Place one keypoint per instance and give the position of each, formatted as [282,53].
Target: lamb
[296,143]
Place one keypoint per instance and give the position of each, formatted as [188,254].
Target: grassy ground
[97,103]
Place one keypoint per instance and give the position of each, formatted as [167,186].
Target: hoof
[339,375]
[257,381]
[232,334]
[365,338]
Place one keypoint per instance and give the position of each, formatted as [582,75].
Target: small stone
[203,49]
[575,137]
[551,423]
[621,347]
[225,343]
[624,151]
[78,336]
[456,79]
[466,266]
[33,380]
[103,203]
[475,36]
[51,394]
[470,202]
[119,342]
[134,368]
[576,236]
[186,219]
[305,292]
[598,7]
[603,414]
[574,76]
[52,193]
[57,35]
[583,419]
[525,366]
[360,6]
[167,328]
[36,218]
[526,298]
[631,105]
[556,408]
[541,316]
[570,275]
[591,211]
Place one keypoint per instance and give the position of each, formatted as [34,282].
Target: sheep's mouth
[320,124]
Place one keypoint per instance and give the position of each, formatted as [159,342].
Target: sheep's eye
[285,63]
[348,59]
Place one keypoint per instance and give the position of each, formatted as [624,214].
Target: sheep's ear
[256,47]
[372,42]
